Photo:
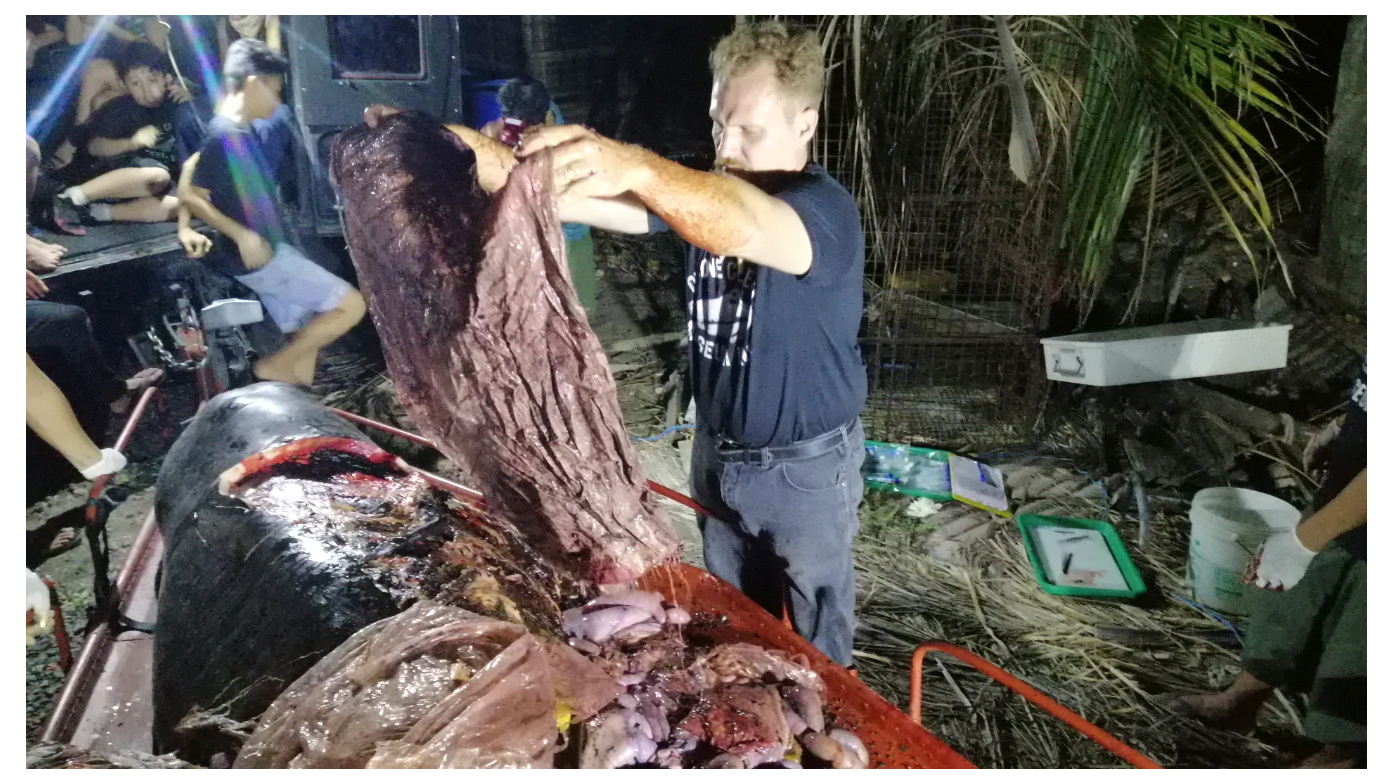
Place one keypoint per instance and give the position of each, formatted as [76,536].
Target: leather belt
[730,451]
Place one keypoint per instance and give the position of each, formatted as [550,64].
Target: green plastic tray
[1135,585]
[934,454]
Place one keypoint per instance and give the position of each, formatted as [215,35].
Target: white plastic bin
[1169,352]
[1227,528]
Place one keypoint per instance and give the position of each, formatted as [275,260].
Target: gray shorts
[294,289]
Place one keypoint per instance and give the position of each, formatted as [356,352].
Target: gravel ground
[71,572]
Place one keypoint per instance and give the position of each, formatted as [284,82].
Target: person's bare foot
[136,384]
[276,368]
[40,256]
[62,540]
[304,369]
[1220,710]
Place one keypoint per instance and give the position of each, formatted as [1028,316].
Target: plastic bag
[435,686]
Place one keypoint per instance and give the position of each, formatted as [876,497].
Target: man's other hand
[586,164]
[40,256]
[374,113]
[176,91]
[256,252]
[146,137]
[196,244]
[34,287]
[1280,563]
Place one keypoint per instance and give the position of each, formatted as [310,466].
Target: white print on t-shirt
[1360,394]
[720,309]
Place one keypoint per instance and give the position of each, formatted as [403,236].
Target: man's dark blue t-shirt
[774,356]
[233,166]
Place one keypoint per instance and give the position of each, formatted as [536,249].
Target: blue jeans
[787,524]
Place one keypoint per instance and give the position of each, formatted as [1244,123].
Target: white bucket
[1227,527]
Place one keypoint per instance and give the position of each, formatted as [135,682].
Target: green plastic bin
[1130,575]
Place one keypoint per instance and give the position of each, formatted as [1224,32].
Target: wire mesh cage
[958,267]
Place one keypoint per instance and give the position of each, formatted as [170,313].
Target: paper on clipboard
[1075,557]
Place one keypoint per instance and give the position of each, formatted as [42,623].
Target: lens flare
[41,121]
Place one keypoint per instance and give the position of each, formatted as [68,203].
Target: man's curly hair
[796,56]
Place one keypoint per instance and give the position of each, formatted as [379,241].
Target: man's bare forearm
[708,210]
[725,216]
[623,214]
[1347,511]
[211,215]
[185,188]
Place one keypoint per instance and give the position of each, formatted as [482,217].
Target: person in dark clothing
[64,363]
[63,332]
[525,102]
[774,299]
[1308,627]
[127,156]
[103,42]
[231,186]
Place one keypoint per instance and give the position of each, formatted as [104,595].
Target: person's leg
[64,330]
[724,544]
[295,363]
[804,510]
[291,284]
[1282,648]
[1337,713]
[32,156]
[150,209]
[126,183]
[48,413]
[98,77]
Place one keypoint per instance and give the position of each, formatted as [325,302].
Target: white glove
[111,462]
[1282,561]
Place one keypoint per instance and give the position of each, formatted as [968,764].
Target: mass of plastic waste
[442,687]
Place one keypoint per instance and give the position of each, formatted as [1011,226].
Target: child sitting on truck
[127,153]
[229,186]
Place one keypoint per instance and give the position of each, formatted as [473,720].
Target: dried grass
[995,608]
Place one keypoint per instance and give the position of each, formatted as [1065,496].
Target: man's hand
[176,90]
[374,113]
[196,244]
[40,256]
[586,164]
[1280,563]
[146,137]
[34,287]
[256,252]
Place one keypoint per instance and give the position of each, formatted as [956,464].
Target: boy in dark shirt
[126,153]
[230,186]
